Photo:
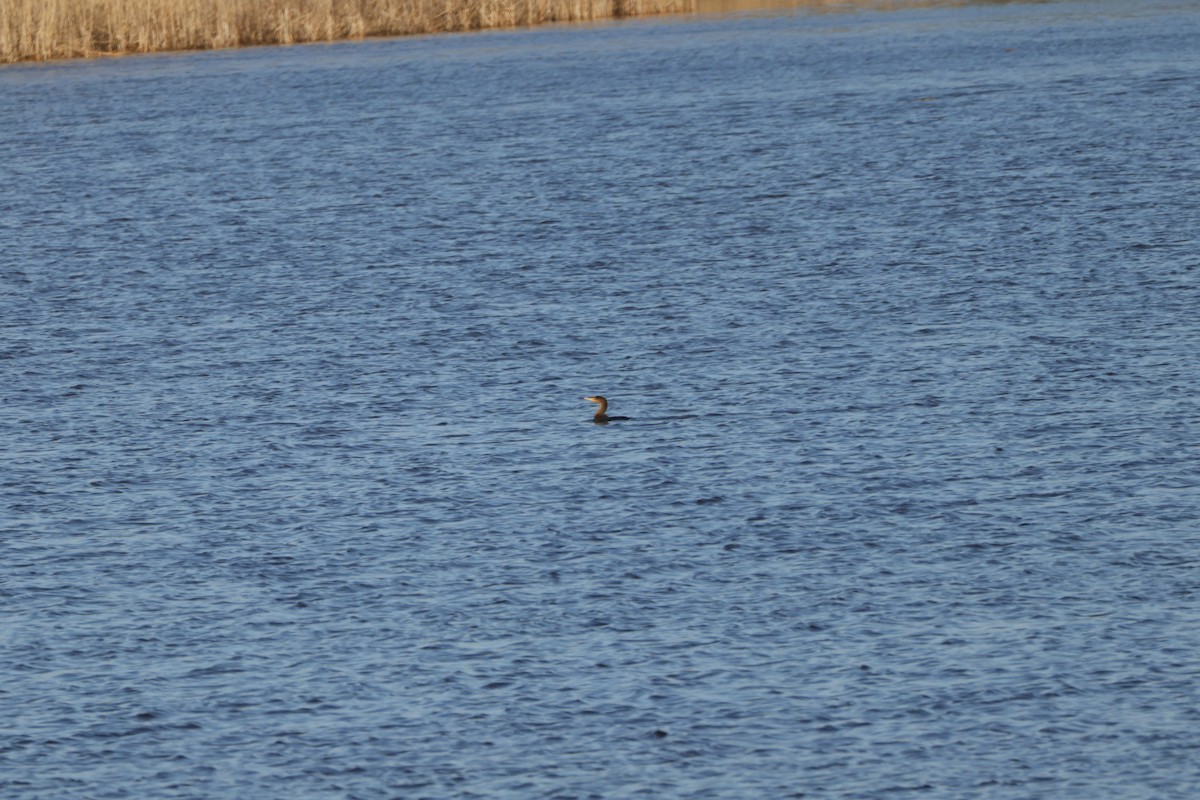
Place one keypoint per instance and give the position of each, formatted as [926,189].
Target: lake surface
[300,498]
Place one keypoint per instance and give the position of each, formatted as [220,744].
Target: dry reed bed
[47,29]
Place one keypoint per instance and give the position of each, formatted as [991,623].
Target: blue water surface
[300,498]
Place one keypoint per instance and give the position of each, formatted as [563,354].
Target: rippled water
[300,496]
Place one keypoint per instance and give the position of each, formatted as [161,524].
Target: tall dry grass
[46,29]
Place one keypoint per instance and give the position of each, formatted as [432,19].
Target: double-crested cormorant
[601,416]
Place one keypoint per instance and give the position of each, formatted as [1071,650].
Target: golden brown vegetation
[45,29]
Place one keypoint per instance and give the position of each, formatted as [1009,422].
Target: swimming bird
[602,416]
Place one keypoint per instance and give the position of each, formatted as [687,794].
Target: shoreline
[38,31]
[54,30]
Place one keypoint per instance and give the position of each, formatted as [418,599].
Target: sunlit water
[300,496]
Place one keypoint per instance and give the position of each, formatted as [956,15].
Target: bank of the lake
[39,30]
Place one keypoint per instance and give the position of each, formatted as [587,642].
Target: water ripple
[301,497]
